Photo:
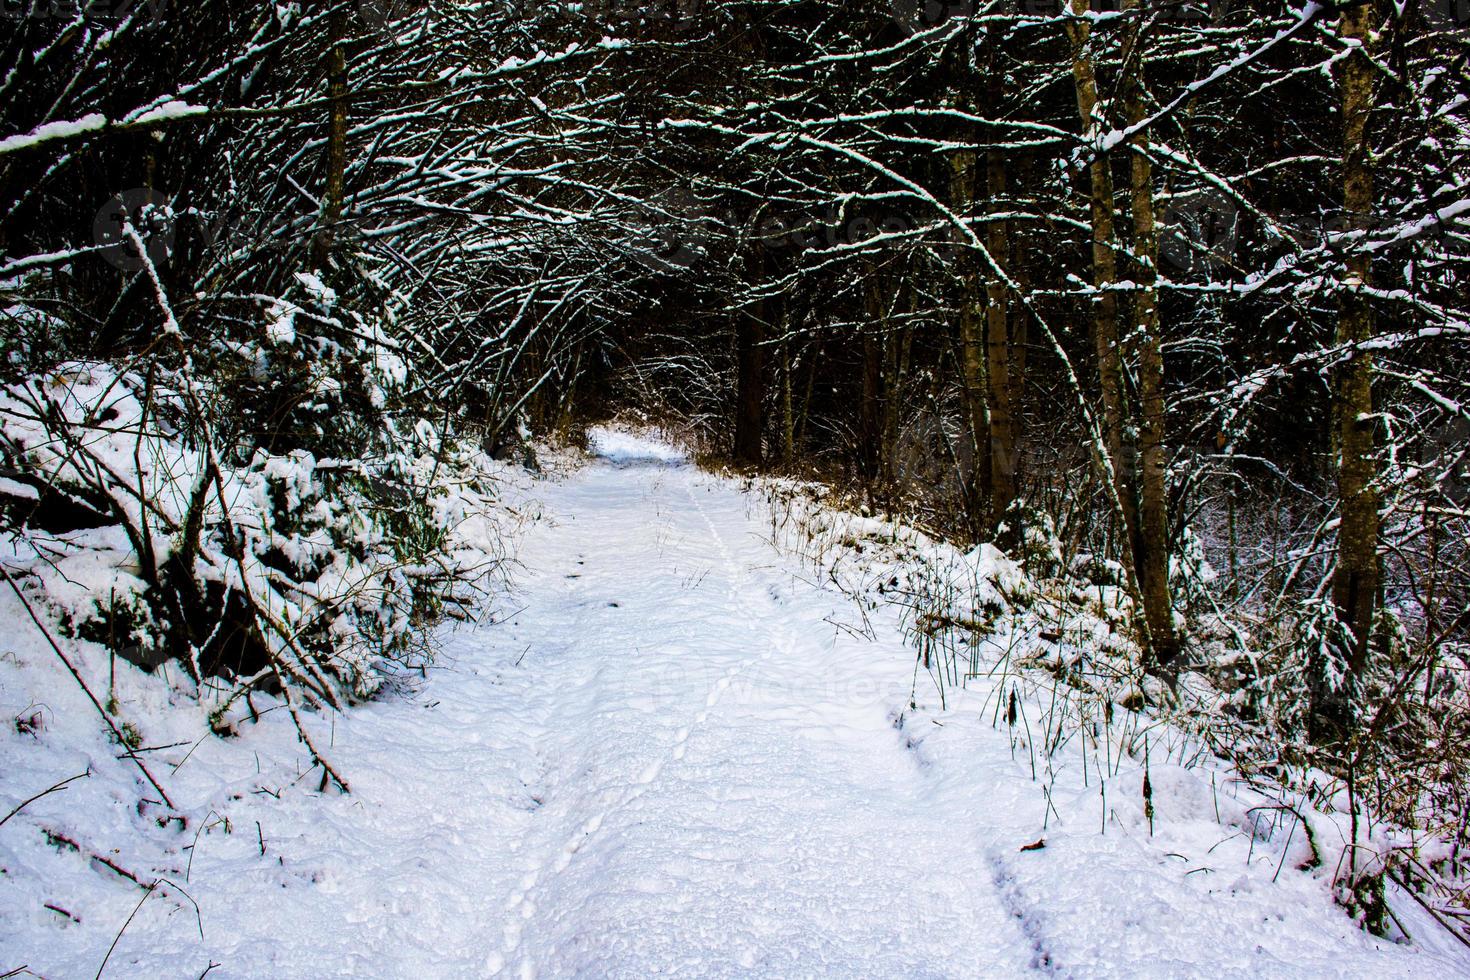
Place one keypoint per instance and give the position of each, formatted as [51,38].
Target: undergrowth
[1047,635]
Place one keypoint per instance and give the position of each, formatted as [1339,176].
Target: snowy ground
[677,758]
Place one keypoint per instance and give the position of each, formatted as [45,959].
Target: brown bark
[750,387]
[1020,323]
[788,419]
[1145,551]
[972,354]
[1104,275]
[335,194]
[895,368]
[1152,539]
[869,423]
[1355,581]
[870,409]
[998,357]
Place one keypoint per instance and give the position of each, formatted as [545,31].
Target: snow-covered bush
[261,506]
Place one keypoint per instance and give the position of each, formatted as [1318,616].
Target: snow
[23,491]
[172,109]
[621,446]
[94,121]
[53,130]
[280,327]
[319,291]
[668,753]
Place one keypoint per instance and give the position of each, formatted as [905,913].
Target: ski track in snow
[669,762]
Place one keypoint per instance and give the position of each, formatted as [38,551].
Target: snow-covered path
[677,758]
[727,794]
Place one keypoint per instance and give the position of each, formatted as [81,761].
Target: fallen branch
[76,675]
[328,773]
[1448,926]
[117,869]
[59,911]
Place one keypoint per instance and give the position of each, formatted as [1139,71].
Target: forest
[1162,307]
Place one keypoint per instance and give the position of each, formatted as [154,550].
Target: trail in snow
[669,762]
[733,803]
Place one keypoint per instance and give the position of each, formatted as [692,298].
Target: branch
[25,603]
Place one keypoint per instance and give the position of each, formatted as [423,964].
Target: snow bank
[257,870]
[1049,662]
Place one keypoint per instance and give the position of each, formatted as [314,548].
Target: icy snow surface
[668,762]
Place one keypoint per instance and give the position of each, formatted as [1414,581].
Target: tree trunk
[1104,276]
[1152,558]
[895,369]
[750,396]
[977,483]
[788,418]
[998,357]
[1355,581]
[335,194]
[1117,421]
[870,409]
[1020,324]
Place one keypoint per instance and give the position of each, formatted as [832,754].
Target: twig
[1449,928]
[198,914]
[316,757]
[185,759]
[54,789]
[25,603]
[194,847]
[1286,848]
[152,748]
[118,937]
[117,869]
